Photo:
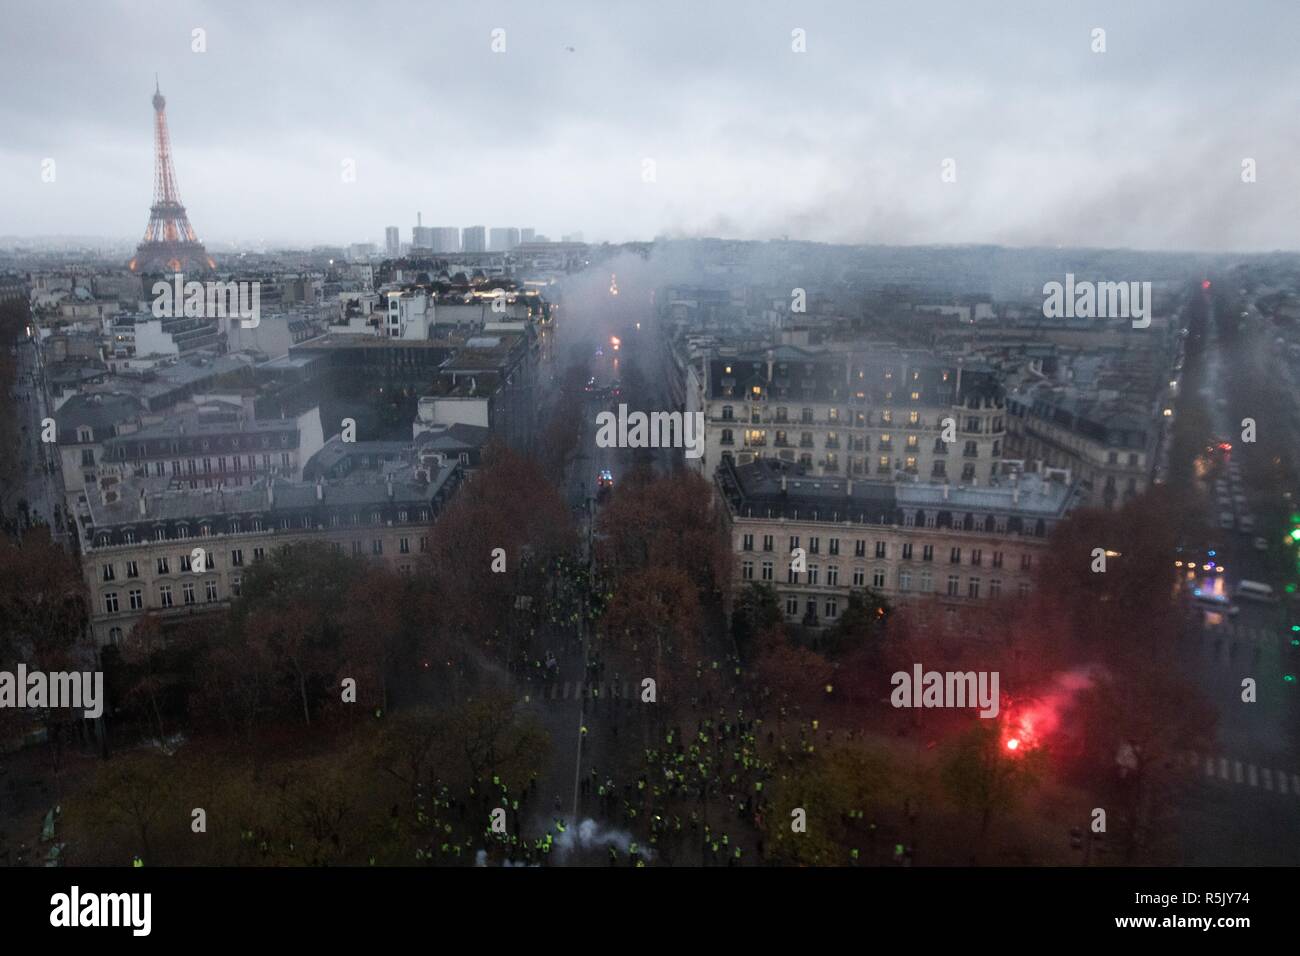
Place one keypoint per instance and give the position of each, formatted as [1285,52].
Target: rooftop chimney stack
[320,489]
[144,504]
[270,492]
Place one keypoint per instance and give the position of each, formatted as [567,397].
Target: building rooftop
[101,411]
[119,504]
[770,487]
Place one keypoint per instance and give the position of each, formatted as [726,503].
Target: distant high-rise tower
[169,242]
[446,239]
[502,238]
[474,239]
[392,242]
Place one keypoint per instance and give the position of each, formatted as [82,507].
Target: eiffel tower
[169,242]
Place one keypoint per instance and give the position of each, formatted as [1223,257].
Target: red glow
[1031,723]
[1205,283]
[1027,722]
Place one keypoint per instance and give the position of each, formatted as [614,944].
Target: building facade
[139,550]
[887,414]
[956,546]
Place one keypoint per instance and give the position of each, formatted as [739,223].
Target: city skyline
[748,138]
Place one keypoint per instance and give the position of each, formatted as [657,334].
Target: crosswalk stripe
[1236,771]
[1223,768]
[1250,776]
[1209,766]
[1268,779]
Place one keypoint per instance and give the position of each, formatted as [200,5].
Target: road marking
[1223,768]
[1236,771]
[1250,776]
[1268,779]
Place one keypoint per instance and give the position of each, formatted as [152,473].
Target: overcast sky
[1140,146]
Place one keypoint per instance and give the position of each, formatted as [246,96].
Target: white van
[1255,591]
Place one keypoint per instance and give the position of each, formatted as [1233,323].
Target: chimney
[270,492]
[390,487]
[1015,494]
[848,487]
[320,489]
[945,491]
[783,488]
[144,504]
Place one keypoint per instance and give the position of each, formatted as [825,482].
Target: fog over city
[1140,146]
[702,435]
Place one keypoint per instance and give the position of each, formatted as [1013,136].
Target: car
[605,479]
[1260,544]
[1256,591]
[1248,524]
[1219,602]
[1226,520]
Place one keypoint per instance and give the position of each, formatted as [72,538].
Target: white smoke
[480,859]
[590,835]
[587,835]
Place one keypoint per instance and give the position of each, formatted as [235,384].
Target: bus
[1255,591]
